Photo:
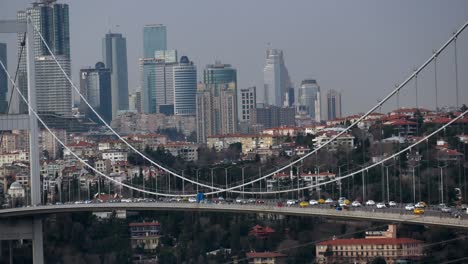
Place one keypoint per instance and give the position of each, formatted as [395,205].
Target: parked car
[370,203]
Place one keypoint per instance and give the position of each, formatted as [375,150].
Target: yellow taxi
[321,201]
[346,202]
[418,211]
[303,204]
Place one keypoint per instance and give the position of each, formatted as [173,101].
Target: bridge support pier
[24,229]
[37,242]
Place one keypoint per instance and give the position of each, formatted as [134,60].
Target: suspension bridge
[358,173]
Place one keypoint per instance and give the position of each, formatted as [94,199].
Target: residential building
[9,158]
[52,20]
[217,73]
[267,116]
[308,100]
[266,258]
[3,80]
[185,150]
[154,39]
[134,101]
[16,191]
[145,235]
[248,102]
[95,86]
[312,179]
[345,141]
[333,104]
[276,79]
[114,53]
[114,155]
[53,90]
[216,111]
[383,244]
[185,87]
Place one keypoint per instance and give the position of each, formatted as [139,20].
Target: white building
[115,155]
[16,190]
[275,78]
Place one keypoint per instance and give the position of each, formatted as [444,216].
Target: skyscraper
[95,86]
[216,111]
[3,80]
[52,20]
[308,101]
[52,87]
[333,104]
[248,102]
[114,52]
[154,39]
[164,86]
[148,84]
[185,87]
[276,78]
[219,73]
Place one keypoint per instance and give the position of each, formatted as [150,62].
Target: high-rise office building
[154,39]
[216,111]
[95,86]
[308,101]
[333,104]
[52,87]
[3,80]
[248,102]
[52,20]
[169,56]
[185,87]
[165,87]
[276,78]
[114,52]
[219,73]
[148,84]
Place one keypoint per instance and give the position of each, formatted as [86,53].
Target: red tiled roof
[145,224]
[401,122]
[265,255]
[370,241]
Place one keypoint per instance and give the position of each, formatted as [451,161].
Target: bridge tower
[26,229]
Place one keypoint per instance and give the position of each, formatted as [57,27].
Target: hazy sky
[361,48]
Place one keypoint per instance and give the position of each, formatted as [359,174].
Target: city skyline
[356,64]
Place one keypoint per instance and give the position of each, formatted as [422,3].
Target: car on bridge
[192,199]
[321,201]
[356,204]
[290,202]
[313,202]
[418,211]
[392,204]
[420,205]
[329,201]
[409,207]
[303,204]
[381,206]
[370,203]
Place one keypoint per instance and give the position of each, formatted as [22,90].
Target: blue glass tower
[154,38]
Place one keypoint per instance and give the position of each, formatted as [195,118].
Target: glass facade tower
[114,52]
[154,39]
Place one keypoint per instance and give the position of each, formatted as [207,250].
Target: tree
[378,260]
